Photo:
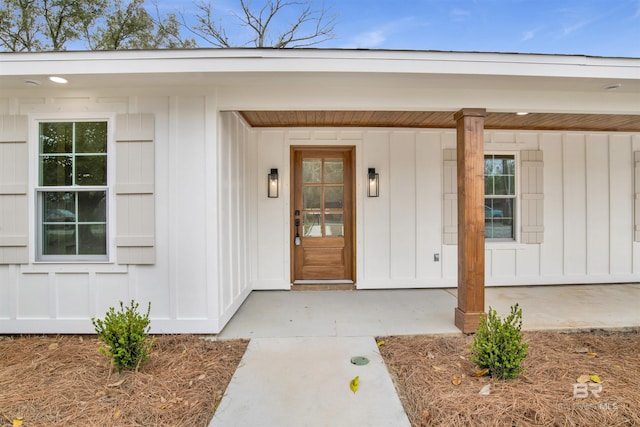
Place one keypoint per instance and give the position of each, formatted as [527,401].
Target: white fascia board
[314,61]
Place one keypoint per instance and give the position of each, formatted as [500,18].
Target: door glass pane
[311,197]
[334,224]
[311,224]
[333,171]
[312,171]
[333,197]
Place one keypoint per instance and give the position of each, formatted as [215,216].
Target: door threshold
[323,285]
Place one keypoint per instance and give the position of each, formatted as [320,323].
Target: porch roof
[443,120]
[339,87]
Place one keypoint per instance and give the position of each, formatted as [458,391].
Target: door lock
[298,240]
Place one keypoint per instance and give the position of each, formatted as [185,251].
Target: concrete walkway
[297,368]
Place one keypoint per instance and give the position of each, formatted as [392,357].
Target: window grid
[500,196]
[72,214]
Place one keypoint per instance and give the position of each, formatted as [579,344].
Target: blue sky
[588,27]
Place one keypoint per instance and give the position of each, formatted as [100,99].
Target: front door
[322,214]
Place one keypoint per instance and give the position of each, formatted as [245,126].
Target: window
[72,191]
[500,196]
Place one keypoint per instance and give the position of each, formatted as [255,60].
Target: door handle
[297,240]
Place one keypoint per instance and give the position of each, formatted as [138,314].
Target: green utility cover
[359,360]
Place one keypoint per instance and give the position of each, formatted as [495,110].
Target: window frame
[516,197]
[36,214]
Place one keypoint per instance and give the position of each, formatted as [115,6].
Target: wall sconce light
[374,183]
[272,184]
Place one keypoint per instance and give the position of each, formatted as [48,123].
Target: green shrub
[126,334]
[498,345]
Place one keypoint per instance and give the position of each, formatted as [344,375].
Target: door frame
[292,188]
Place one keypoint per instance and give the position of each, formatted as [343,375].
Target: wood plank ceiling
[443,119]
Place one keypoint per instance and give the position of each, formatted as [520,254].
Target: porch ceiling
[443,119]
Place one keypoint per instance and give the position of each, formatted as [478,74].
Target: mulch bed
[65,381]
[423,369]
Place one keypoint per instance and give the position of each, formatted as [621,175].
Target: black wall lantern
[374,183]
[272,184]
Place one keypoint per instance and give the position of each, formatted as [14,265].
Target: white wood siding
[183,284]
[217,235]
[636,159]
[234,200]
[578,200]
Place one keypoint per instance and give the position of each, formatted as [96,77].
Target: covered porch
[279,314]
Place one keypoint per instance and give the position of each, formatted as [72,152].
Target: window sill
[74,267]
[504,244]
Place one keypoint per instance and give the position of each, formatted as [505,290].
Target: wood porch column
[470,162]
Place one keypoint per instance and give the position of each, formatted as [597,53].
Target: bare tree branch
[310,26]
[206,27]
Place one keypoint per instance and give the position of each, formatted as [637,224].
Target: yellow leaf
[456,380]
[481,372]
[595,379]
[53,345]
[592,354]
[354,384]
[381,343]
[438,368]
[583,379]
[17,422]
[117,414]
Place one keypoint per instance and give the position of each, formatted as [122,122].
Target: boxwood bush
[498,344]
[126,335]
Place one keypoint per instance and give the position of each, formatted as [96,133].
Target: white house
[145,177]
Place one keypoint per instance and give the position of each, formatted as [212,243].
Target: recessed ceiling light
[56,79]
[522,113]
[613,86]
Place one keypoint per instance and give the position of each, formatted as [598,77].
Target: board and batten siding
[165,233]
[236,198]
[217,236]
[575,221]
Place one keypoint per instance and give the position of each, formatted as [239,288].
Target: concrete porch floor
[296,369]
[271,314]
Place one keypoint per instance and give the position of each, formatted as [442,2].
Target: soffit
[443,119]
